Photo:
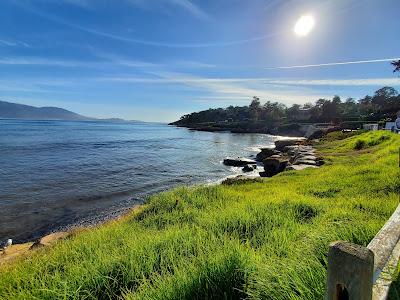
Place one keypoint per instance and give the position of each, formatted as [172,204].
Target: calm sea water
[55,174]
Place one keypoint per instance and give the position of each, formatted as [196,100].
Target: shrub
[381,139]
[360,144]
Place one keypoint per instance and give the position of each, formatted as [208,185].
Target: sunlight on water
[57,173]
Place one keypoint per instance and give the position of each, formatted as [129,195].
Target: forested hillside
[382,106]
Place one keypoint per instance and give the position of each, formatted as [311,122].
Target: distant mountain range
[10,110]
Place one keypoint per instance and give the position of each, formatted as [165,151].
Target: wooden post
[350,272]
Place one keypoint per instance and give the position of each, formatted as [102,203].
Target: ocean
[58,174]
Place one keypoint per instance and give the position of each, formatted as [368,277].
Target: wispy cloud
[341,82]
[102,59]
[190,7]
[10,43]
[240,89]
[334,64]
[82,3]
[159,5]
[40,61]
[177,78]
[187,5]
[182,3]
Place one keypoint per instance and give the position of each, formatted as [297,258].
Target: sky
[155,60]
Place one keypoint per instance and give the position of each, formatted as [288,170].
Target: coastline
[217,231]
[294,130]
[62,232]
[97,173]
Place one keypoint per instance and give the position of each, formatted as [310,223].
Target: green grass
[266,239]
[394,291]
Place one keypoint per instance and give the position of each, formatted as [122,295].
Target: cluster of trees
[396,65]
[383,105]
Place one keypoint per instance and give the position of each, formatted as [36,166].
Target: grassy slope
[264,239]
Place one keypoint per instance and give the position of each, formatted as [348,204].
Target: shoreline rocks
[293,154]
[50,239]
[249,168]
[266,152]
[281,144]
[238,162]
[274,165]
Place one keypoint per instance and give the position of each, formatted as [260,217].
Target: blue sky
[155,60]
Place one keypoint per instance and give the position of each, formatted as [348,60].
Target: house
[371,126]
[303,114]
[390,126]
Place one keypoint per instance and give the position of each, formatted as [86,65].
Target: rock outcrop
[281,144]
[50,239]
[291,154]
[249,168]
[274,165]
[238,162]
[266,152]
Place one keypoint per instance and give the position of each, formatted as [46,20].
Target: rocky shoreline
[287,155]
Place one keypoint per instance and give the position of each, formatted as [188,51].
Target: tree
[383,105]
[349,108]
[336,99]
[386,92]
[293,111]
[396,65]
[255,106]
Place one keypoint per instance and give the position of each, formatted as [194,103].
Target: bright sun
[304,25]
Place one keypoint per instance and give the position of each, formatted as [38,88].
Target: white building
[372,126]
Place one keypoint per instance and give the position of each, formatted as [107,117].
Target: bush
[381,139]
[360,144]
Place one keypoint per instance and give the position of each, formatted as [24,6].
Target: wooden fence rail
[364,273]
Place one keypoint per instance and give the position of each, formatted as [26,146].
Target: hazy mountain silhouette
[21,111]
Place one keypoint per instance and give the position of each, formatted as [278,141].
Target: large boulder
[265,153]
[238,162]
[50,239]
[281,144]
[273,165]
[249,168]
[319,161]
[291,150]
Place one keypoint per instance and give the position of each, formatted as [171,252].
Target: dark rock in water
[274,165]
[265,153]
[249,168]
[281,144]
[238,162]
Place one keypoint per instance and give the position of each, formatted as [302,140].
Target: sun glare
[304,25]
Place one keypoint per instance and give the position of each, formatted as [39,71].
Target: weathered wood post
[359,273]
[350,272]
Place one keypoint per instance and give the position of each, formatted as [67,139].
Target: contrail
[335,64]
